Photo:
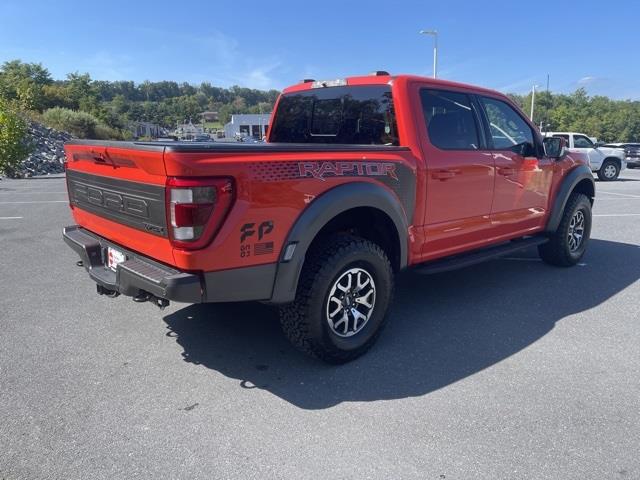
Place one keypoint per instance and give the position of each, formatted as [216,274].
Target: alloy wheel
[575,235]
[351,302]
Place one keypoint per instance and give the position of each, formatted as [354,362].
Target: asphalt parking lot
[507,370]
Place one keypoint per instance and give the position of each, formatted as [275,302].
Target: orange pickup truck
[360,178]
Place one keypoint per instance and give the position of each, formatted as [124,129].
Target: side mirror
[555,147]
[524,149]
[598,144]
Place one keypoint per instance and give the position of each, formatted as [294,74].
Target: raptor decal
[320,170]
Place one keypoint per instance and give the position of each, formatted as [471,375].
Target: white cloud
[159,55]
[519,86]
[223,59]
[587,80]
[104,65]
[260,77]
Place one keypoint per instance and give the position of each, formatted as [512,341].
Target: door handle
[506,171]
[443,175]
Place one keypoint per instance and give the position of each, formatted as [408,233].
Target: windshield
[344,115]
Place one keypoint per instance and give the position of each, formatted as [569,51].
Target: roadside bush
[13,139]
[80,124]
[103,132]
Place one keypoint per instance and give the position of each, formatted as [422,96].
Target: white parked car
[607,162]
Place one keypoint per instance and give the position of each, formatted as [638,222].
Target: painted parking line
[619,199]
[10,218]
[39,192]
[618,215]
[620,194]
[35,201]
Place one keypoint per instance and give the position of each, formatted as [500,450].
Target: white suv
[605,161]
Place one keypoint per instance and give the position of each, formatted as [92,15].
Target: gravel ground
[507,370]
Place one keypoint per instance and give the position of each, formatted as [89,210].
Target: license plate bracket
[114,258]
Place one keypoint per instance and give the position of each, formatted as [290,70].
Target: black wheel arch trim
[569,183]
[322,210]
[614,160]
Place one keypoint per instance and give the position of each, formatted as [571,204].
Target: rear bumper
[139,274]
[133,275]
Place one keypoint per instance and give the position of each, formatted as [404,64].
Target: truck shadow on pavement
[442,328]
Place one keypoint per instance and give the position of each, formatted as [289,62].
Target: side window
[580,141]
[508,128]
[566,137]
[450,120]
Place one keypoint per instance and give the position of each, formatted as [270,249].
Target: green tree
[24,83]
[13,139]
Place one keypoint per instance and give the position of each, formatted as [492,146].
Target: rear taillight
[196,209]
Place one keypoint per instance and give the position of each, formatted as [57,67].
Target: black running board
[478,256]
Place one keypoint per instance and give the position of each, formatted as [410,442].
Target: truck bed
[118,190]
[236,147]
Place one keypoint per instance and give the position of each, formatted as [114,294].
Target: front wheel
[567,244]
[609,171]
[341,304]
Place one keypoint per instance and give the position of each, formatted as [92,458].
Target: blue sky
[508,46]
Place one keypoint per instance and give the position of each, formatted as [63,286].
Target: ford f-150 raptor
[360,178]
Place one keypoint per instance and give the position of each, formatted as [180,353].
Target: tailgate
[118,192]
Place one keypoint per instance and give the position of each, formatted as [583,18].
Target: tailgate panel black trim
[137,205]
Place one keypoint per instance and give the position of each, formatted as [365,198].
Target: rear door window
[451,120]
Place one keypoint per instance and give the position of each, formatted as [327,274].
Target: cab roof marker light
[338,82]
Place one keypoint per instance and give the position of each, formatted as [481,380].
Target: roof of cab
[374,79]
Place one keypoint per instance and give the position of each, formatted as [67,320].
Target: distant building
[188,131]
[209,116]
[247,125]
[146,129]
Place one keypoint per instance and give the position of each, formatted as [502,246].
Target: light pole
[433,33]
[533,100]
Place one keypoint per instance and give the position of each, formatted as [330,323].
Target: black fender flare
[322,210]
[569,183]
[614,160]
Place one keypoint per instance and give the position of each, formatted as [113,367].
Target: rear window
[360,115]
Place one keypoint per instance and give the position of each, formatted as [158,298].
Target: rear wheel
[341,304]
[609,171]
[568,243]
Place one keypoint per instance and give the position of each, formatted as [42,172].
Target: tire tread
[294,317]
[555,251]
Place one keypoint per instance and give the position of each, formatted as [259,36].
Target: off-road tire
[610,165]
[558,251]
[305,321]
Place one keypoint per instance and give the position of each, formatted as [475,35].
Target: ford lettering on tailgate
[111,200]
[133,204]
